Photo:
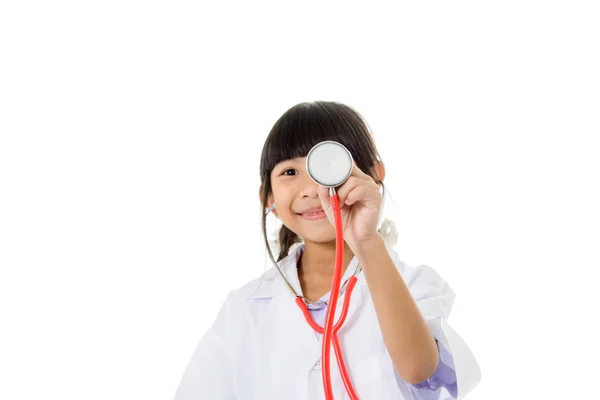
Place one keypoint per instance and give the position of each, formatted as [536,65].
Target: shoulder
[416,274]
[259,287]
[423,281]
[264,286]
[247,303]
[405,269]
[234,307]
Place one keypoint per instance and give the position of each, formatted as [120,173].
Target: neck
[319,258]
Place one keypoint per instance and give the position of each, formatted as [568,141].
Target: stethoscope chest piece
[329,164]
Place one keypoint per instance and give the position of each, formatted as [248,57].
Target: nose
[309,187]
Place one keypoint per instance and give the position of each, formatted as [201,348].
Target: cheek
[282,201]
[287,215]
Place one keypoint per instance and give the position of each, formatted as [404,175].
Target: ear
[378,171]
[269,200]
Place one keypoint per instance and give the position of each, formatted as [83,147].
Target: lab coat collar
[271,284]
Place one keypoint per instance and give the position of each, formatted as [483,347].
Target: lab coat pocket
[374,378]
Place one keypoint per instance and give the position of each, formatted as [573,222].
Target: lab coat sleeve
[458,371]
[443,377]
[208,374]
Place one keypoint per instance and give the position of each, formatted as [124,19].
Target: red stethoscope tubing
[336,344]
[330,330]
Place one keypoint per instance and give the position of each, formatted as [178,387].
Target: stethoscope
[330,164]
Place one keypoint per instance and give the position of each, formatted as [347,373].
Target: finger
[351,183]
[370,198]
[358,172]
[323,192]
[346,187]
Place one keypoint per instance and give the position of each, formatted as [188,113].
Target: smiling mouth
[313,215]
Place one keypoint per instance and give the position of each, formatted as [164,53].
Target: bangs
[303,126]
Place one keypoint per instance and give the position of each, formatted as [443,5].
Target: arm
[408,339]
[456,368]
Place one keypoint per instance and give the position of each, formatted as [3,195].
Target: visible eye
[286,172]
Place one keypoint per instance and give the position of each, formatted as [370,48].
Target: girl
[395,341]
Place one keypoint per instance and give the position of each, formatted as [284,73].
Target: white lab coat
[260,346]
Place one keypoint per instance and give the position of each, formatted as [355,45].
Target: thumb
[323,192]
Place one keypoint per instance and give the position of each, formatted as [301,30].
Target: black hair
[296,132]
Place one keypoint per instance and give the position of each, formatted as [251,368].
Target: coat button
[317,365]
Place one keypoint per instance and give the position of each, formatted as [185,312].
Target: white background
[130,142]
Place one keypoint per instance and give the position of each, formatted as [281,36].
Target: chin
[319,232]
[325,236]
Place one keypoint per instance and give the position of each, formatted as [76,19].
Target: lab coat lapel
[296,338]
[293,344]
[291,339]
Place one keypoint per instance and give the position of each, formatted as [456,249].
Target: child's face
[294,192]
